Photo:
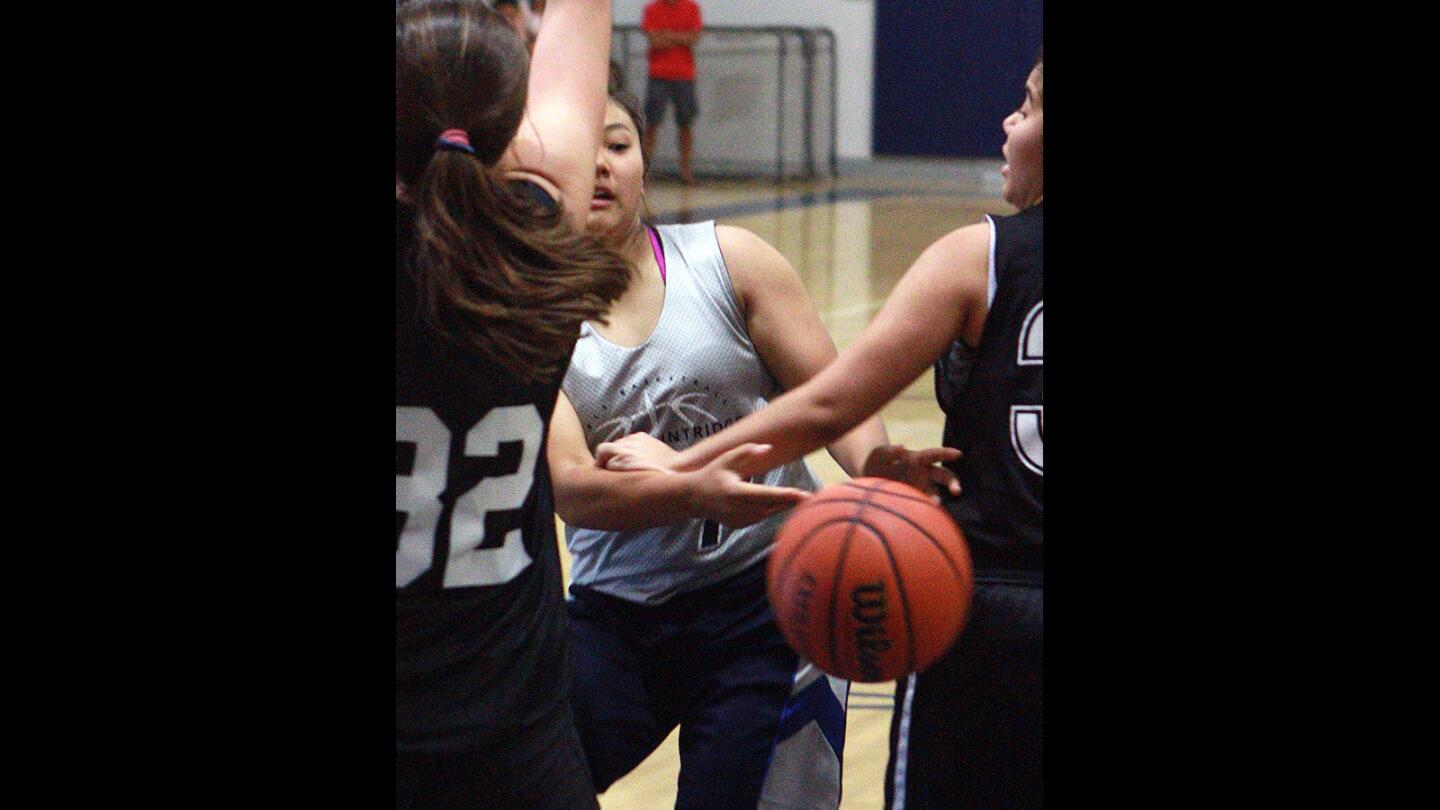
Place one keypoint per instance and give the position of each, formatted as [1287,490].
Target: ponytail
[500,276]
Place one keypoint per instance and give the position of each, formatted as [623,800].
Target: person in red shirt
[673,28]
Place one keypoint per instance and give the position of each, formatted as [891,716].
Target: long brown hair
[495,274]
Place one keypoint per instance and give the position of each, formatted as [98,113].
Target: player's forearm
[798,422]
[565,107]
[577,28]
[592,498]
[851,450]
[571,50]
[818,413]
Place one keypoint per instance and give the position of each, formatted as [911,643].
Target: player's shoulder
[965,247]
[958,262]
[743,248]
[1020,236]
[754,264]
[733,237]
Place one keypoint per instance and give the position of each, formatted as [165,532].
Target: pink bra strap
[655,246]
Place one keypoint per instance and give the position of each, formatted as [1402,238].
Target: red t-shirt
[677,62]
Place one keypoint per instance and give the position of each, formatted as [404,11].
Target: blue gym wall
[947,72]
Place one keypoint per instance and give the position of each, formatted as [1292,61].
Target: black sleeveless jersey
[481,634]
[993,402]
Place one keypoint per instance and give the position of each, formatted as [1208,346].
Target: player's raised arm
[565,109]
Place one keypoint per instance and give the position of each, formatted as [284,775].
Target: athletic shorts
[538,766]
[659,93]
[966,732]
[758,725]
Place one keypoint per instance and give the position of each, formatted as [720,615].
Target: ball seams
[867,503]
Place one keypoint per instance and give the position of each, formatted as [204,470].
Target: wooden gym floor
[851,239]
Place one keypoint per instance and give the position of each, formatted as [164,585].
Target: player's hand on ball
[720,492]
[638,451]
[918,468]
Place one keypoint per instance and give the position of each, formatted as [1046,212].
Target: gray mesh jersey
[697,373]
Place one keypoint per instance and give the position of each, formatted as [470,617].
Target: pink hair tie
[454,139]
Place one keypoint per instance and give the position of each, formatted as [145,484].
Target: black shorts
[758,726]
[967,731]
[658,95]
[537,766]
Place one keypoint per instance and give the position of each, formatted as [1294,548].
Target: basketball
[870,580]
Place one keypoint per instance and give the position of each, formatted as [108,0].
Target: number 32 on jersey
[417,495]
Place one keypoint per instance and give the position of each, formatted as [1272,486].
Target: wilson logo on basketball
[869,580]
[869,613]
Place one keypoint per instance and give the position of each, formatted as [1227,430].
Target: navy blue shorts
[659,93]
[538,766]
[967,731]
[755,720]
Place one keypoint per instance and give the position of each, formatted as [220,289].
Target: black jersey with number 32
[480,623]
[993,400]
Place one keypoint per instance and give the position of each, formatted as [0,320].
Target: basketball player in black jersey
[494,169]
[966,732]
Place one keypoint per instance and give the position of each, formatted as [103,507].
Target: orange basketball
[870,580]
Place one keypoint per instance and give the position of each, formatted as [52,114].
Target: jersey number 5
[1027,422]
[417,495]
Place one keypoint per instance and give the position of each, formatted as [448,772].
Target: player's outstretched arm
[595,498]
[565,107]
[941,294]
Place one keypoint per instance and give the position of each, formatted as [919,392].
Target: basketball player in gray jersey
[668,606]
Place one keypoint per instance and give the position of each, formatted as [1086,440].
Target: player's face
[1024,160]
[619,178]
